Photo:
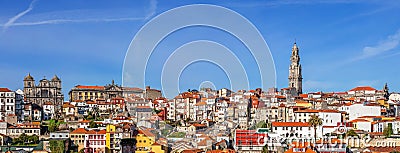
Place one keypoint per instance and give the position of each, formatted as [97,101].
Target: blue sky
[343,44]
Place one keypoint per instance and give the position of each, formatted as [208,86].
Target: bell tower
[295,78]
[29,86]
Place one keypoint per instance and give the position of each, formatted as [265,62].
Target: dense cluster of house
[100,118]
[112,118]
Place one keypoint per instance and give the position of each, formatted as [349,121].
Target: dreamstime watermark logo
[230,22]
[165,24]
[341,129]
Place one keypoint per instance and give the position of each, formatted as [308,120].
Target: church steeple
[386,91]
[295,77]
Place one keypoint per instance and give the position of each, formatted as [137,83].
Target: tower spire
[295,77]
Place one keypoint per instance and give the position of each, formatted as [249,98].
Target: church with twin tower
[295,78]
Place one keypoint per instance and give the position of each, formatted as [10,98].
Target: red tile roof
[5,90]
[281,97]
[192,151]
[132,89]
[143,107]
[96,132]
[317,111]
[361,88]
[359,120]
[222,151]
[202,103]
[303,95]
[199,125]
[90,87]
[376,133]
[146,133]
[79,131]
[383,149]
[290,124]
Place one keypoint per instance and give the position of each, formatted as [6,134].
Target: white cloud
[391,42]
[66,17]
[12,20]
[60,21]
[152,9]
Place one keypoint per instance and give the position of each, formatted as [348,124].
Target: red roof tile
[90,87]
[79,131]
[5,90]
[360,88]
[290,124]
[359,120]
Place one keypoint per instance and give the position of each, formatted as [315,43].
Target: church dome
[28,77]
[55,78]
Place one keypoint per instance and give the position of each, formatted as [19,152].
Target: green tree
[23,138]
[82,150]
[261,124]
[156,111]
[57,146]
[265,149]
[315,121]
[34,139]
[52,125]
[16,141]
[388,131]
[92,124]
[351,133]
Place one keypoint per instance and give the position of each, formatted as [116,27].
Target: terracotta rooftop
[303,95]
[199,125]
[146,133]
[202,103]
[192,151]
[5,90]
[79,131]
[290,124]
[143,107]
[383,149]
[96,132]
[361,88]
[359,120]
[90,87]
[317,111]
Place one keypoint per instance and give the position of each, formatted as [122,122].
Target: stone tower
[295,78]
[29,86]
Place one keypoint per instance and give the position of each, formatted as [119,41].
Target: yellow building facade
[145,142]
[78,137]
[110,143]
